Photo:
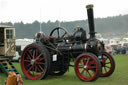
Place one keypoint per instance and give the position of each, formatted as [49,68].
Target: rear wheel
[35,61]
[108,65]
[87,67]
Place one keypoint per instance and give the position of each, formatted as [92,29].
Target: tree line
[115,25]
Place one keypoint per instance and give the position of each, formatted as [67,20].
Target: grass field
[119,77]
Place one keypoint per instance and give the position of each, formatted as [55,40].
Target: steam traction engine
[51,55]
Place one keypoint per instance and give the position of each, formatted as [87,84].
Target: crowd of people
[120,49]
[117,49]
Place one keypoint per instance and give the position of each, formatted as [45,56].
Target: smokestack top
[89,6]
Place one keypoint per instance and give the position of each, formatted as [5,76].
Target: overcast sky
[63,10]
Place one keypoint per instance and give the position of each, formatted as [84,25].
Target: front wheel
[87,67]
[108,65]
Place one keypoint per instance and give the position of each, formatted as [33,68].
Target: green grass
[120,76]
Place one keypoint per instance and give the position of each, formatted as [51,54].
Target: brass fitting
[89,6]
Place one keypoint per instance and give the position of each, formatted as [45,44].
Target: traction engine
[52,55]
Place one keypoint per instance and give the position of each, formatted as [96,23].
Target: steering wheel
[60,33]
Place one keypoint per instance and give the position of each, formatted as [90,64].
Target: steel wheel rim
[107,65]
[33,64]
[90,70]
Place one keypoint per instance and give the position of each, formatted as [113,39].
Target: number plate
[54,57]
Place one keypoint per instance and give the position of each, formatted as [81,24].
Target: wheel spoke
[93,71]
[41,68]
[101,70]
[38,57]
[35,68]
[63,35]
[108,63]
[41,59]
[82,72]
[87,61]
[30,53]
[34,54]
[27,61]
[38,69]
[105,69]
[29,56]
[108,67]
[89,73]
[84,61]
[58,33]
[39,63]
[30,68]
[85,73]
[81,63]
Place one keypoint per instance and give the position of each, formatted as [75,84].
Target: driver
[39,36]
